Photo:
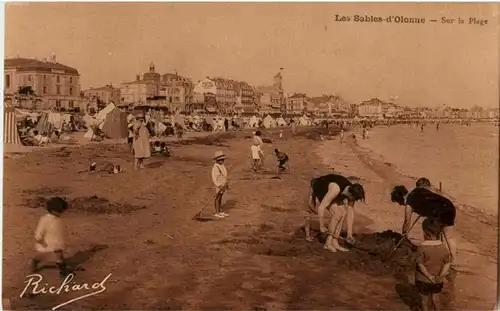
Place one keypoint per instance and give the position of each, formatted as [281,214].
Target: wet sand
[139,227]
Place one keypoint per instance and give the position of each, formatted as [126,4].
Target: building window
[30,78]
[44,78]
[58,104]
[71,104]
[71,91]
[58,79]
[44,89]
[70,80]
[58,90]
[7,81]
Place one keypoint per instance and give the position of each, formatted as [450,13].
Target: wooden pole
[440,187]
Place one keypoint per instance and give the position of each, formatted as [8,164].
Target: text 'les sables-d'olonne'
[397,19]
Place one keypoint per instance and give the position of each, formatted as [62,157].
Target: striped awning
[10,134]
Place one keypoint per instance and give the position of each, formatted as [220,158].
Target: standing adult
[336,194]
[294,125]
[140,142]
[426,203]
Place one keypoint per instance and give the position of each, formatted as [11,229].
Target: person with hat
[336,194]
[140,143]
[219,178]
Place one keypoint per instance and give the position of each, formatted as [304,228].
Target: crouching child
[49,237]
[282,160]
[433,264]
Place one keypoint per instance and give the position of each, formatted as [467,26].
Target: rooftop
[28,64]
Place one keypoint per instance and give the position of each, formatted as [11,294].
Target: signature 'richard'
[35,286]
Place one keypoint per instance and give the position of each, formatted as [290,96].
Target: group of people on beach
[219,171]
[335,193]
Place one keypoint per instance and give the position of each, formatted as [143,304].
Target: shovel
[403,238]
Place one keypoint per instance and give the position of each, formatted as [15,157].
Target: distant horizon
[428,65]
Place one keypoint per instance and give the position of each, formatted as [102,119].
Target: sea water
[463,158]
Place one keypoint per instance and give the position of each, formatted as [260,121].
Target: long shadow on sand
[409,295]
[229,205]
[79,258]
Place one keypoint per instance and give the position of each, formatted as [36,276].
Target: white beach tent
[269,122]
[253,122]
[304,121]
[281,122]
[99,120]
[101,115]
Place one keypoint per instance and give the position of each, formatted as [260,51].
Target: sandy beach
[138,226]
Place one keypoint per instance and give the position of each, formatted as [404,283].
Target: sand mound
[98,205]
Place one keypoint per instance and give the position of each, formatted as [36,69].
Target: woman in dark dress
[336,194]
[429,204]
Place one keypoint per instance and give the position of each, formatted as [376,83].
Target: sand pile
[98,205]
[370,254]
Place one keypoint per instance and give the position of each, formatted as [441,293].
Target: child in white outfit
[257,155]
[219,178]
[49,236]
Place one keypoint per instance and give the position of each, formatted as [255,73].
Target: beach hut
[10,134]
[115,125]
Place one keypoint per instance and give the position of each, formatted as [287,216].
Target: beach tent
[268,122]
[210,121]
[54,119]
[281,122]
[88,120]
[43,125]
[115,125]
[304,120]
[253,122]
[10,134]
[101,116]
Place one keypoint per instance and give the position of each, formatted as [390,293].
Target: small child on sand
[49,236]
[341,135]
[282,159]
[433,264]
[219,178]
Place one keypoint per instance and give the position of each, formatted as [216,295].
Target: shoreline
[489,216]
[478,249]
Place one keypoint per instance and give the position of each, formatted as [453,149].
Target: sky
[431,64]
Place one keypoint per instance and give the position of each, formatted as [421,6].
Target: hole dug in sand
[370,254]
[98,205]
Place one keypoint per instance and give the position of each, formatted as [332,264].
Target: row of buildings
[47,84]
